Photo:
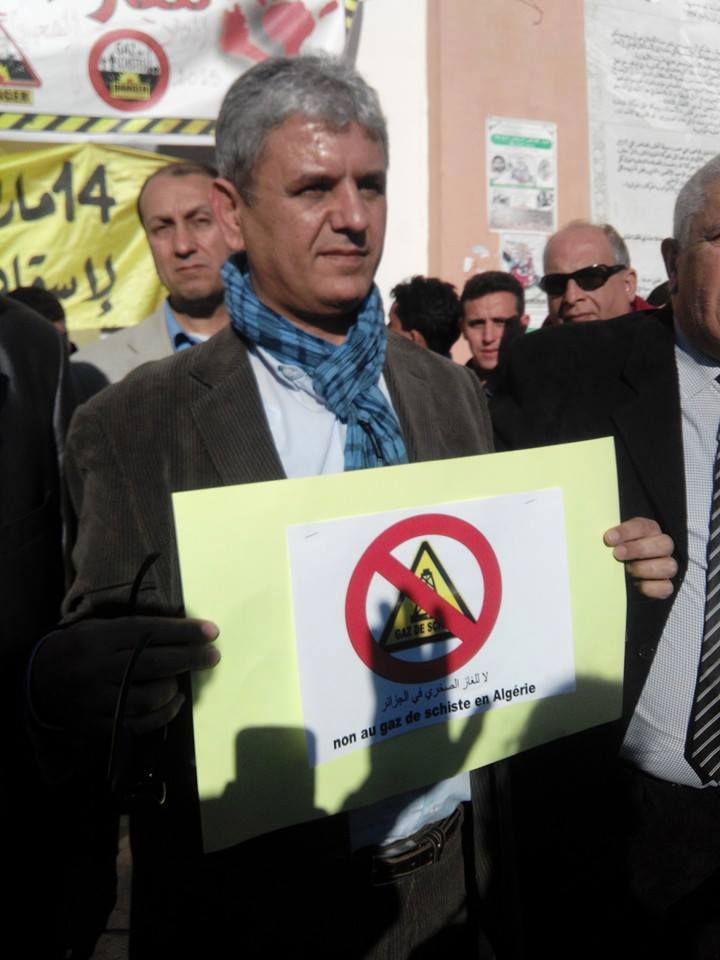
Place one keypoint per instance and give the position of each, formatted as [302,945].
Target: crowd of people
[271,359]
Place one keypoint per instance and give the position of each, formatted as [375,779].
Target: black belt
[400,859]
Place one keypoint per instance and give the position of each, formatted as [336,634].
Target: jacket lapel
[648,421]
[229,413]
[230,416]
[409,395]
[149,339]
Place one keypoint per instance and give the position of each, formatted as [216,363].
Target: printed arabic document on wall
[383,629]
[654,107]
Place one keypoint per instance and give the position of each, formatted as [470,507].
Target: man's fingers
[654,589]
[660,568]
[646,552]
[156,663]
[631,530]
[123,633]
[660,545]
[148,698]
[148,722]
[92,656]
[148,701]
[172,647]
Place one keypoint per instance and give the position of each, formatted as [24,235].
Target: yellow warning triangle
[15,67]
[409,625]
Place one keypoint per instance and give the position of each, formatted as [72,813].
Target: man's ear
[416,337]
[524,321]
[630,284]
[670,253]
[226,204]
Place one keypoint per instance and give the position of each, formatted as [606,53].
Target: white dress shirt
[310,440]
[655,739]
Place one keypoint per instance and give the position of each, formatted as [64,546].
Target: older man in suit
[188,249]
[304,381]
[639,815]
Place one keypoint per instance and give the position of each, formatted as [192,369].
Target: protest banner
[68,223]
[145,70]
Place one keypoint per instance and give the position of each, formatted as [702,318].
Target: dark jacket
[192,421]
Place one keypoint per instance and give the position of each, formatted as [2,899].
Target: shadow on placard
[265,757]
[302,892]
[523,835]
[530,849]
[273,785]
[391,768]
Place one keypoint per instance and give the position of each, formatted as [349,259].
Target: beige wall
[393,58]
[499,58]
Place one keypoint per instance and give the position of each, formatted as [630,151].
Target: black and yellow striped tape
[137,126]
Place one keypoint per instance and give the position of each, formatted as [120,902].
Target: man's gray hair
[621,254]
[315,87]
[618,247]
[691,199]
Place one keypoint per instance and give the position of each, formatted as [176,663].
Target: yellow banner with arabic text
[68,223]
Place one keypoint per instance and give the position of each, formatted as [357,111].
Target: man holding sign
[305,381]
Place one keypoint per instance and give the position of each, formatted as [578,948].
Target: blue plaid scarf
[345,376]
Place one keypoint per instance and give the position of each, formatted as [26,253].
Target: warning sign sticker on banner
[17,75]
[409,618]
[15,68]
[129,70]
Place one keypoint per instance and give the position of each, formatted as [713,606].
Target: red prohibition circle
[377,559]
[129,106]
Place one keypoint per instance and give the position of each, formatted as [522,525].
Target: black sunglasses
[587,278]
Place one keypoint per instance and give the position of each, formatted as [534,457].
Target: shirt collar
[290,376]
[179,338]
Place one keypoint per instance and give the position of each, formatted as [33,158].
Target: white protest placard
[375,599]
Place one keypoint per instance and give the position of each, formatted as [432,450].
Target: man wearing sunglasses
[588,275]
[637,806]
